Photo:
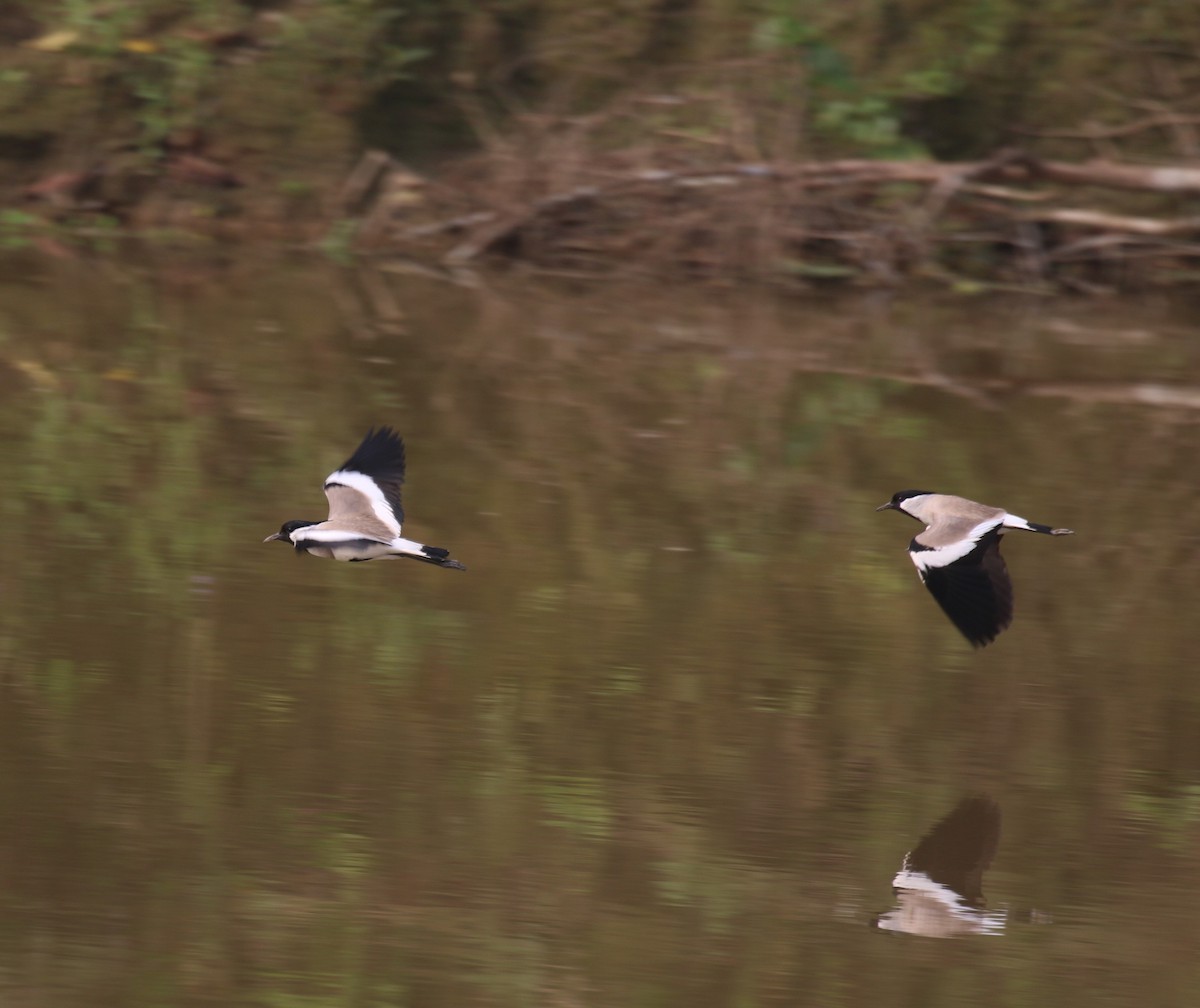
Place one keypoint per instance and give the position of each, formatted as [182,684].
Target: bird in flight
[958,558]
[365,513]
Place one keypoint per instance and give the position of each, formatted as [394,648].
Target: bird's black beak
[889,506]
[271,538]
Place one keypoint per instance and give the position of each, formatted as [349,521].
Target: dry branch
[1111,175]
[817,220]
[1101,221]
[1093,133]
[363,180]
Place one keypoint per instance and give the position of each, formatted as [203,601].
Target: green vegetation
[277,85]
[17,227]
[247,118]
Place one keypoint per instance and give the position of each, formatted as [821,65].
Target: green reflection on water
[669,737]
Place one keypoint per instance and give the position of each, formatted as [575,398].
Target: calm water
[667,741]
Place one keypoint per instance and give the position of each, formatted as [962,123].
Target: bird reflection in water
[939,888]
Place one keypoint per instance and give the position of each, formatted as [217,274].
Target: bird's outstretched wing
[970,582]
[364,493]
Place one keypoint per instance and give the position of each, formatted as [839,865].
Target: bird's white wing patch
[944,556]
[330,535]
[369,489]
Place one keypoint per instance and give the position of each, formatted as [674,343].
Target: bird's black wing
[380,457]
[975,591]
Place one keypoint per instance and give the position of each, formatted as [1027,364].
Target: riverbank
[688,141]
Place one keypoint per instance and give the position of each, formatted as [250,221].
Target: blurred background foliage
[289,90]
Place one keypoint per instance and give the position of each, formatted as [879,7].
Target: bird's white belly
[361,550]
[347,549]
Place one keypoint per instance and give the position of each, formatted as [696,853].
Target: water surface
[669,738]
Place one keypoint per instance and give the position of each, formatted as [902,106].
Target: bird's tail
[426,554]
[1017,522]
[441,557]
[1046,529]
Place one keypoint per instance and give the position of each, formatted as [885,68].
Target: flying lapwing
[958,558]
[364,510]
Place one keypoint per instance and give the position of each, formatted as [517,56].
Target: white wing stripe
[946,555]
[369,489]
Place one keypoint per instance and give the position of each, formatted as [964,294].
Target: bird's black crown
[903,495]
[288,527]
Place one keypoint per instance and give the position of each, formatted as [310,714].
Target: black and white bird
[364,510]
[958,558]
[938,890]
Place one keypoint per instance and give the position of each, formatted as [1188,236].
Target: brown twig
[1092,133]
